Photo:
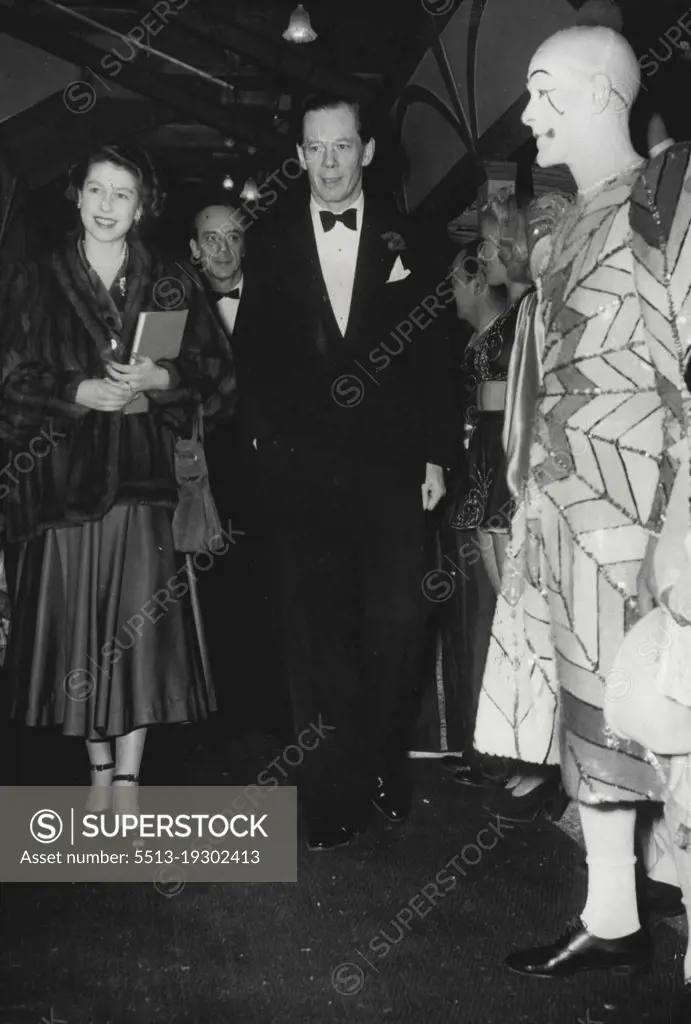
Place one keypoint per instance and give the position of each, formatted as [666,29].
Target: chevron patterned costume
[613,404]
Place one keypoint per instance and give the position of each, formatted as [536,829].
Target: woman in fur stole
[103,639]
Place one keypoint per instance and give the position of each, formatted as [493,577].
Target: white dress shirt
[338,251]
[228,309]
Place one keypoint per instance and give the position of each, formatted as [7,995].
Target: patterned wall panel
[428,77]
[472,75]
[454,53]
[29,75]
[427,130]
[507,37]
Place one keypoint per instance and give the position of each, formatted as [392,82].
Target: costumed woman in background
[88,531]
[480,305]
[482,507]
[489,504]
[517,712]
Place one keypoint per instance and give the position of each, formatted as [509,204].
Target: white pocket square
[398,272]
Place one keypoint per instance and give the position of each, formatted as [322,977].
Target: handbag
[196,523]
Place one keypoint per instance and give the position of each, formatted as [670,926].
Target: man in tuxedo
[218,247]
[351,406]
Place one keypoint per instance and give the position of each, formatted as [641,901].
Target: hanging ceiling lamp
[228,182]
[250,191]
[299,28]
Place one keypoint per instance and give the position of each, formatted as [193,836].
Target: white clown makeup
[574,79]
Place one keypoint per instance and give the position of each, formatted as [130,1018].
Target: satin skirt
[106,636]
[481,498]
[465,626]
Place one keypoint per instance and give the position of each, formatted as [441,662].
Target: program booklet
[158,336]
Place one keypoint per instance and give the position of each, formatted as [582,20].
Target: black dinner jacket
[369,395]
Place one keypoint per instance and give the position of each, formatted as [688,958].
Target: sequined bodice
[488,354]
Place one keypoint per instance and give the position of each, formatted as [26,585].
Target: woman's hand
[646,587]
[142,375]
[103,395]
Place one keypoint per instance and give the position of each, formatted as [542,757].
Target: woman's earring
[138,216]
[79,203]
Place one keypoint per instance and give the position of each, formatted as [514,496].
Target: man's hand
[103,395]
[142,375]
[433,489]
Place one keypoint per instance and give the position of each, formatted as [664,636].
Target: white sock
[611,910]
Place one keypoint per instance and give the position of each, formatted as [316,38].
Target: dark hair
[601,14]
[326,101]
[135,161]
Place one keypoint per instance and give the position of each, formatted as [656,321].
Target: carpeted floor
[361,937]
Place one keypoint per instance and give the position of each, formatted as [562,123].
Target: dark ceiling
[221,94]
[229,92]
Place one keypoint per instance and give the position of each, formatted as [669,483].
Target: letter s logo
[46,826]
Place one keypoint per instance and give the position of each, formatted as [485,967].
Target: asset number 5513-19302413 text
[196,857]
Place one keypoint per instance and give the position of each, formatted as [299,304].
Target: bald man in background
[218,249]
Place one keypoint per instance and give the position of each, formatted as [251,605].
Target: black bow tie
[349,218]
[217,296]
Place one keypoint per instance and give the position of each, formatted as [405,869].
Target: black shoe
[391,796]
[331,836]
[577,950]
[659,899]
[548,798]
[680,1009]
[469,770]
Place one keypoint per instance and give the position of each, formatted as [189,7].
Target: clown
[610,443]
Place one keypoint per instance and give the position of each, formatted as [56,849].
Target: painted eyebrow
[538,72]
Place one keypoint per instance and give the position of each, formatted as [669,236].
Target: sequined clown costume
[611,408]
[518,707]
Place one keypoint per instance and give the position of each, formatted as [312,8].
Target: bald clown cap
[590,51]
